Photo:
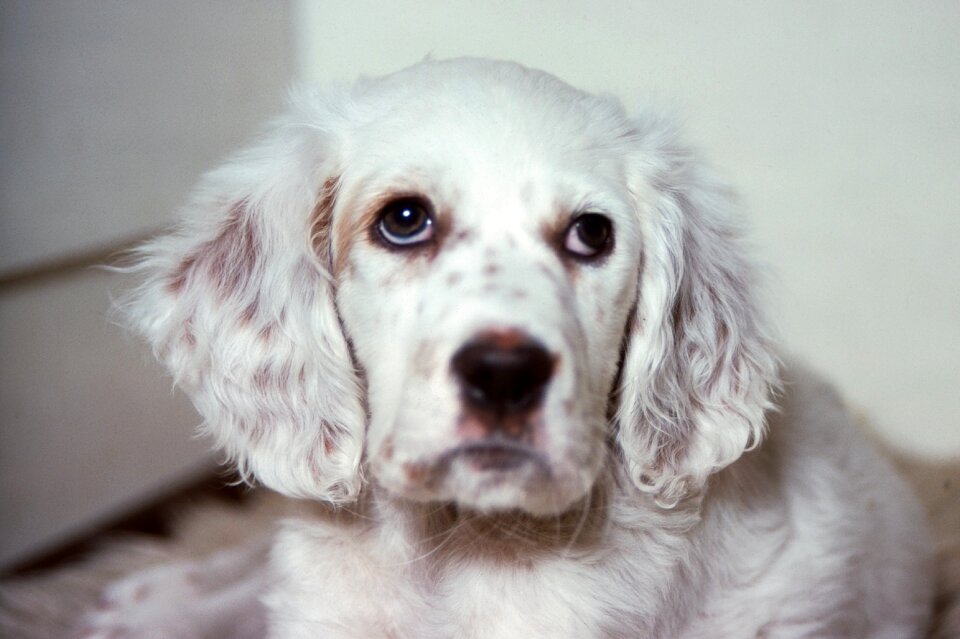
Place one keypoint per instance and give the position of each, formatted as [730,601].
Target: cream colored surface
[90,423]
[838,122]
[110,111]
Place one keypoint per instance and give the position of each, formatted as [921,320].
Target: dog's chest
[546,599]
[358,590]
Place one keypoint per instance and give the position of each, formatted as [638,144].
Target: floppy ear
[238,304]
[698,369]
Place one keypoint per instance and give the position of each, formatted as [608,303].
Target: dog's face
[434,279]
[484,277]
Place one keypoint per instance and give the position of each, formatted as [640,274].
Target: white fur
[661,506]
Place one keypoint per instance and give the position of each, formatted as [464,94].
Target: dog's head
[467,282]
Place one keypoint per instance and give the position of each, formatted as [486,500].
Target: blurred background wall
[838,122]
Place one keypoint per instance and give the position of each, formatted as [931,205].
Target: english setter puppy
[509,337]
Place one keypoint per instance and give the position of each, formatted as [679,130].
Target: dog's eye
[589,236]
[406,222]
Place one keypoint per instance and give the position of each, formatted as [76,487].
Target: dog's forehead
[481,113]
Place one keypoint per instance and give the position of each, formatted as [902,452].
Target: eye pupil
[589,236]
[403,218]
[405,222]
[593,230]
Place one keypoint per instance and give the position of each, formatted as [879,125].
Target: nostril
[504,377]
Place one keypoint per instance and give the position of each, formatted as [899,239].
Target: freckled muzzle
[494,412]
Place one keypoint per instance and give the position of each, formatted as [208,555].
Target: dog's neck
[446,532]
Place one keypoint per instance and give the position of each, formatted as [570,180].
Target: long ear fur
[699,368]
[238,304]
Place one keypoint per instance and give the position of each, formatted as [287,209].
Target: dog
[509,340]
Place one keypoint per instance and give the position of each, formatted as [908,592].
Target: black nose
[503,372]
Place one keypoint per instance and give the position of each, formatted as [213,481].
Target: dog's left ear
[699,368]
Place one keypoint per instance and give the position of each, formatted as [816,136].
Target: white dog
[510,337]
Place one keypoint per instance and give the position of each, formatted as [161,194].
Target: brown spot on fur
[188,338]
[229,260]
[234,252]
[270,378]
[416,473]
[462,235]
[491,269]
[250,312]
[180,274]
[388,449]
[454,278]
[267,331]
[503,338]
[329,442]
[518,294]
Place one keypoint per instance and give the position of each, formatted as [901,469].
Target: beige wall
[839,122]
[108,113]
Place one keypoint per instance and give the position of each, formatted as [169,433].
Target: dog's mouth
[496,455]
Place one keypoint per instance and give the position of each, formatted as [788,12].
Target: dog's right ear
[238,303]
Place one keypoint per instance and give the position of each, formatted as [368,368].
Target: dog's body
[805,537]
[512,335]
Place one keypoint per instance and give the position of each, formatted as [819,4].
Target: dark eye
[589,236]
[406,222]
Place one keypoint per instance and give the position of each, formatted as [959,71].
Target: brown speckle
[387,451]
[250,311]
[460,236]
[329,442]
[267,331]
[416,472]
